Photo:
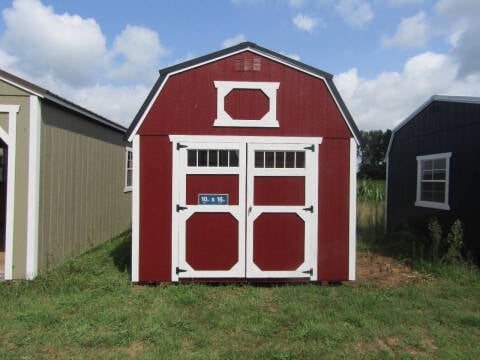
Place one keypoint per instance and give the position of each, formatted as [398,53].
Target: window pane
[290,159]
[192,158]
[213,158]
[440,164]
[438,174]
[269,159]
[427,175]
[427,186]
[202,158]
[300,161]
[234,158]
[426,164]
[129,177]
[438,197]
[279,159]
[223,158]
[426,196]
[259,163]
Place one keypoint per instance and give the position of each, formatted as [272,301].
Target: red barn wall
[187,105]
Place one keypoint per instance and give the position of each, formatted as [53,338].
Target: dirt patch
[379,270]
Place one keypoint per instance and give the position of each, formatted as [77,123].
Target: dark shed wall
[441,127]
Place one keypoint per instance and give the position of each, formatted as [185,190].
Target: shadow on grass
[122,253]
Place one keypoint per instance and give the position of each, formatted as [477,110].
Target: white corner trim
[352,226]
[10,139]
[33,187]
[136,209]
[268,88]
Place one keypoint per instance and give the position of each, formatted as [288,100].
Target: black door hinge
[178,270]
[181,208]
[311,147]
[309,208]
[180,146]
[310,272]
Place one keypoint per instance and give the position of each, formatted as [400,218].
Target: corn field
[370,210]
[371,191]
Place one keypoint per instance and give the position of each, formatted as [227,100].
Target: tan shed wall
[82,175]
[19,97]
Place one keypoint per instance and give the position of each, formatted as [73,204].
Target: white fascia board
[273,58]
[26,89]
[245,139]
[33,187]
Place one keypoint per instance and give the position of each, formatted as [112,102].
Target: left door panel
[209,210]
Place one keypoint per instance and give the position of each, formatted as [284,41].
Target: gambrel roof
[165,73]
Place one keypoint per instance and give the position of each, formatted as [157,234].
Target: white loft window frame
[268,88]
[128,169]
[433,180]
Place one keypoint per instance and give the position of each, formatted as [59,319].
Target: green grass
[87,308]
[370,191]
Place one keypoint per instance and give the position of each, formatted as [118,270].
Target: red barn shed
[244,167]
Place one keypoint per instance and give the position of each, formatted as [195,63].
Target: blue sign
[212,199]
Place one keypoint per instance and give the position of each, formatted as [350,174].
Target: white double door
[244,208]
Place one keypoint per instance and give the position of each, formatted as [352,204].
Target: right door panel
[281,211]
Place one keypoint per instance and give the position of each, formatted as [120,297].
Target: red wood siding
[279,190]
[187,106]
[188,102]
[333,202]
[155,209]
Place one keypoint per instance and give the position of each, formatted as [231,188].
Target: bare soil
[378,270]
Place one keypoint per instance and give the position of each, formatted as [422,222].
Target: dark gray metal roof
[163,74]
[49,96]
[444,98]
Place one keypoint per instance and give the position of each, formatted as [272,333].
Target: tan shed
[64,179]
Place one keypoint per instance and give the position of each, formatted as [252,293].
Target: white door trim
[10,139]
[179,218]
[240,142]
[310,172]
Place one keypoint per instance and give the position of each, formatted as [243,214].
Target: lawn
[87,308]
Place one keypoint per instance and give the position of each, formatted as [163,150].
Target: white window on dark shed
[128,169]
[433,180]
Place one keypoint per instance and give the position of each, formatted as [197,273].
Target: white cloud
[233,40]
[68,46]
[356,13]
[411,32]
[462,18]
[67,55]
[305,22]
[384,101]
[139,50]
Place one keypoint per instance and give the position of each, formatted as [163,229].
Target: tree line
[371,154]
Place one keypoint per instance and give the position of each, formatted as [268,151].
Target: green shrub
[455,244]
[435,234]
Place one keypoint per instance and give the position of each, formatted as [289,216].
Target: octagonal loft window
[246,104]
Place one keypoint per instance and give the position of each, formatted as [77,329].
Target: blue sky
[387,56]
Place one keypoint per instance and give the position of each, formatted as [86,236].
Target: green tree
[372,153]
